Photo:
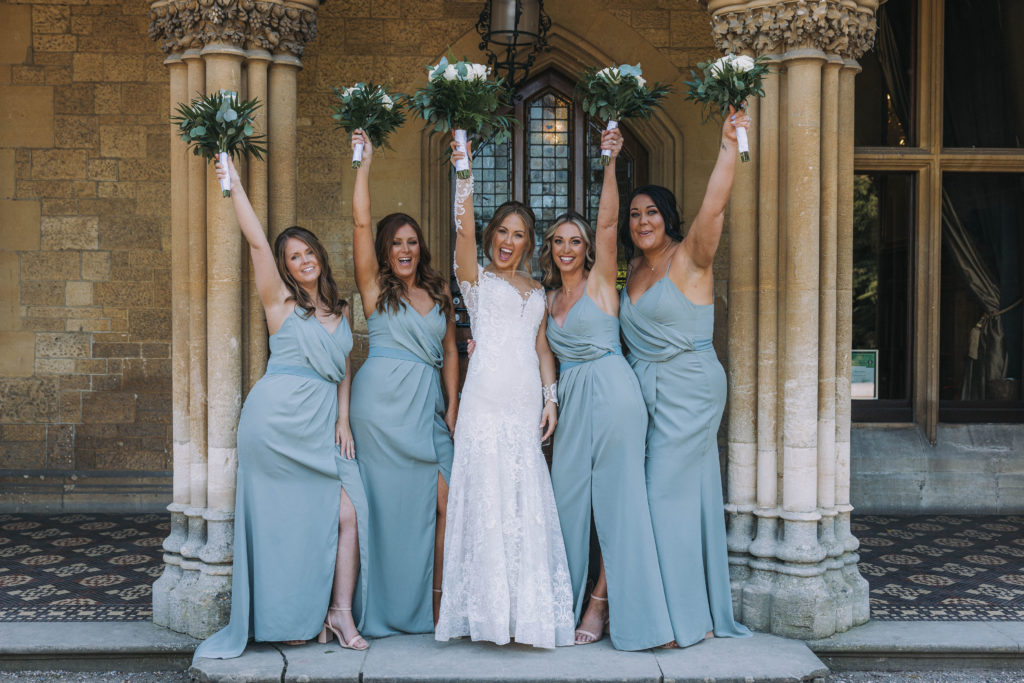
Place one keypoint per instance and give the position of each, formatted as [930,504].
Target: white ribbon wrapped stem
[742,145]
[225,182]
[461,165]
[606,154]
[357,155]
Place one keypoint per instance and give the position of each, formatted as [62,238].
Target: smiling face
[302,263]
[509,243]
[646,224]
[404,257]
[568,248]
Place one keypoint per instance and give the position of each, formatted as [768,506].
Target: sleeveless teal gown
[402,443]
[290,476]
[683,384]
[598,464]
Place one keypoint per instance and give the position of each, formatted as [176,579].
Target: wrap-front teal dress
[598,465]
[290,476]
[402,442]
[683,384]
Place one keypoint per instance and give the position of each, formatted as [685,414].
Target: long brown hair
[551,275]
[326,287]
[393,291]
[500,214]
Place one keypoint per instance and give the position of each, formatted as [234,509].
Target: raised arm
[273,294]
[363,252]
[465,222]
[702,240]
[549,415]
[606,248]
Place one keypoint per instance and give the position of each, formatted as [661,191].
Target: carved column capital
[840,27]
[278,26]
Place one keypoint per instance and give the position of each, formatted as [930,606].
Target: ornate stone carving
[265,24]
[828,25]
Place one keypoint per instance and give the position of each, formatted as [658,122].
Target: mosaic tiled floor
[79,567]
[94,567]
[943,568]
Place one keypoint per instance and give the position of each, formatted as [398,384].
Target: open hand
[343,438]
[548,420]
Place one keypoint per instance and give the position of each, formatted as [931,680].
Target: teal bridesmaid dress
[598,464]
[290,476]
[683,384]
[402,443]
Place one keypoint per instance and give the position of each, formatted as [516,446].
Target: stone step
[93,646]
[925,645]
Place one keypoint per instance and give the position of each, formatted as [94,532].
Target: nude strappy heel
[357,642]
[594,637]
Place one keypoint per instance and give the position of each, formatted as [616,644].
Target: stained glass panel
[548,145]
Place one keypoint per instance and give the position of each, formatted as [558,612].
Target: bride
[505,572]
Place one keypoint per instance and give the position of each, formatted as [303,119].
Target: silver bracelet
[551,393]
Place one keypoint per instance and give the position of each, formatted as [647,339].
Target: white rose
[716,68]
[450,73]
[478,72]
[387,101]
[610,74]
[743,63]
[641,81]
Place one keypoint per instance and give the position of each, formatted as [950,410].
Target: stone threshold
[880,645]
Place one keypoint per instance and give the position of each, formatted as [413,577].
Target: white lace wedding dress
[505,573]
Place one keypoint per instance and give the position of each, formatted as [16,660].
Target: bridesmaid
[667,316]
[598,462]
[298,489]
[401,426]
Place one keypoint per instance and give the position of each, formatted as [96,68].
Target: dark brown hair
[500,214]
[326,287]
[665,202]
[551,275]
[393,291]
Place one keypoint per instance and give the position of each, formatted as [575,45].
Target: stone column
[742,472]
[179,353]
[181,598]
[283,136]
[801,580]
[227,49]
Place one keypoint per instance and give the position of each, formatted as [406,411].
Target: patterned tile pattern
[943,568]
[79,567]
[95,567]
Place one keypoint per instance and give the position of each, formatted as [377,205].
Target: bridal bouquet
[728,81]
[616,93]
[217,125]
[371,108]
[460,97]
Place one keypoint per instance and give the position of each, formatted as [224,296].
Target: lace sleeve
[463,191]
[468,289]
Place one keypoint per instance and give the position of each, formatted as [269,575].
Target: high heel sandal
[594,637]
[328,629]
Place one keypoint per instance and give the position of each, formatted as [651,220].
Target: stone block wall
[84,258]
[85,372]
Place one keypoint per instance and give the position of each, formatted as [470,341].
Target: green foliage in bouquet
[369,107]
[212,124]
[617,93]
[728,81]
[458,95]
